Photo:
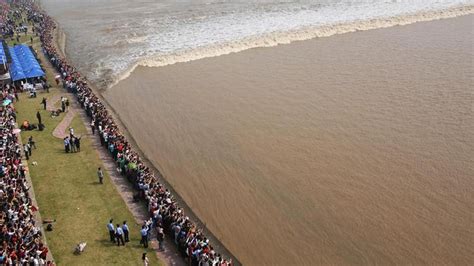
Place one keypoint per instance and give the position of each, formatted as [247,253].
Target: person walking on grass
[144,234]
[119,235]
[110,227]
[125,231]
[73,144]
[66,144]
[145,260]
[77,142]
[44,103]
[25,149]
[38,115]
[29,148]
[32,142]
[100,175]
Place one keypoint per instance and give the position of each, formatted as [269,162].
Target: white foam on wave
[285,37]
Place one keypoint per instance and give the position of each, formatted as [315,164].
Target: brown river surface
[352,149]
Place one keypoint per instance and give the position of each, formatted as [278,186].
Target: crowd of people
[163,208]
[72,143]
[7,24]
[12,24]
[119,234]
[20,235]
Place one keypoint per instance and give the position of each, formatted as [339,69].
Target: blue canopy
[24,64]
[3,56]
[16,70]
[4,53]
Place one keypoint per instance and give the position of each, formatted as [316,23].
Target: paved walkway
[61,129]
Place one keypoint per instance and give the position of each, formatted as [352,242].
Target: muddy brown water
[351,149]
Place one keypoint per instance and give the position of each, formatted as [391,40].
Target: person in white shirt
[144,234]
[110,227]
[119,235]
[125,231]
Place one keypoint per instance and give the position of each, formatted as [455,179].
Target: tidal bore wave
[286,37]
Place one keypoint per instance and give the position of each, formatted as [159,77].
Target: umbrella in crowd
[7,102]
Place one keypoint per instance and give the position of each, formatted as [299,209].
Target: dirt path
[60,130]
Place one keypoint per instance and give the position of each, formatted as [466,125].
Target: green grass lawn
[67,189]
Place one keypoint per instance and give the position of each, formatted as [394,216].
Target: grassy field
[67,189]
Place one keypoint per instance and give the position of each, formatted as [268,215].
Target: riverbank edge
[60,40]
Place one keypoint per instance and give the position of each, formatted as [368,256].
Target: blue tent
[16,70]
[24,63]
[3,56]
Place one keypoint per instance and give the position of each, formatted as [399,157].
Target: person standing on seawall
[144,234]
[93,127]
[161,238]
